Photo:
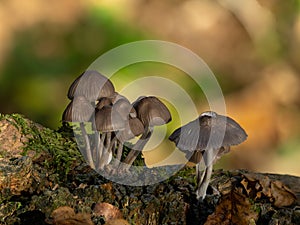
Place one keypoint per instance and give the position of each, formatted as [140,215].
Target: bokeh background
[252,46]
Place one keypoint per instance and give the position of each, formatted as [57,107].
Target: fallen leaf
[233,208]
[108,211]
[66,216]
[117,222]
[63,212]
[282,195]
[277,193]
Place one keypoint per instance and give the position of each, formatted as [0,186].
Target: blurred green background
[252,46]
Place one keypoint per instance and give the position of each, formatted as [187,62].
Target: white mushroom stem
[204,182]
[88,153]
[120,143]
[101,151]
[119,152]
[99,148]
[106,151]
[204,178]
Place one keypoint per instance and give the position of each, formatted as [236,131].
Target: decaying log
[44,180]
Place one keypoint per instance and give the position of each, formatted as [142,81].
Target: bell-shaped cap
[104,101]
[133,128]
[108,121]
[92,85]
[152,112]
[209,130]
[124,108]
[78,110]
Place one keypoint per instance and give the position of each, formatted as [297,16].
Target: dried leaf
[274,190]
[265,183]
[63,212]
[282,195]
[117,222]
[108,211]
[66,216]
[234,208]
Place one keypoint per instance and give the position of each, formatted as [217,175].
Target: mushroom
[152,112]
[80,110]
[133,128]
[126,110]
[92,85]
[104,101]
[106,121]
[111,100]
[122,107]
[209,136]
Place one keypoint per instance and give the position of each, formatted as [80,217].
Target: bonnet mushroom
[80,110]
[92,85]
[106,121]
[132,125]
[133,128]
[151,112]
[209,136]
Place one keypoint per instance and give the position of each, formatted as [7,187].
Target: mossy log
[44,180]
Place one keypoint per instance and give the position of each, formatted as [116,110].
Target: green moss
[256,208]
[59,144]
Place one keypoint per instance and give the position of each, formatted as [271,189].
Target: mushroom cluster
[114,121]
[113,118]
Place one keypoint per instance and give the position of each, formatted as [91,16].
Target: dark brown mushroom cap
[92,85]
[78,110]
[133,128]
[108,121]
[209,130]
[152,112]
[136,126]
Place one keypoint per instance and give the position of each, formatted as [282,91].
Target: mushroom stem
[204,179]
[101,151]
[88,153]
[119,151]
[99,147]
[116,162]
[137,148]
[204,182]
[105,156]
[108,141]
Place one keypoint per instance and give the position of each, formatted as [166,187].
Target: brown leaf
[282,195]
[108,211]
[222,214]
[117,222]
[265,183]
[277,193]
[234,208]
[66,216]
[62,212]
